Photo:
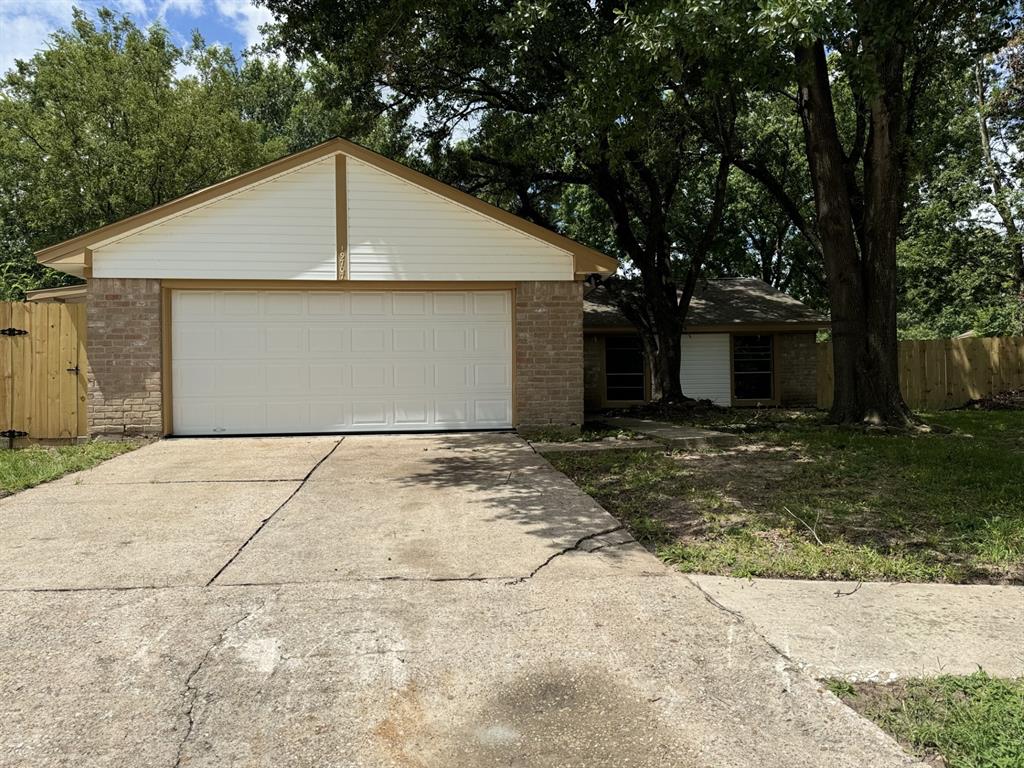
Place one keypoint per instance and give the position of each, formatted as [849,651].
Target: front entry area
[289,361]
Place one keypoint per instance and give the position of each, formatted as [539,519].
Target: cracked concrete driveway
[419,601]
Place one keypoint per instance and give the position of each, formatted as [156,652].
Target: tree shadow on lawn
[824,504]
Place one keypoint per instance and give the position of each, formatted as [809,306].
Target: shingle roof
[724,301]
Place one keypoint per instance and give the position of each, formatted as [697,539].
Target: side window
[623,368]
[752,366]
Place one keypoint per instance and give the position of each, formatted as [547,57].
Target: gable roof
[586,260]
[723,302]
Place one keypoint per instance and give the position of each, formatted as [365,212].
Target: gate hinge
[10,434]
[13,332]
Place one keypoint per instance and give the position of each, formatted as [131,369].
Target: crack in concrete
[269,517]
[191,692]
[792,663]
[574,548]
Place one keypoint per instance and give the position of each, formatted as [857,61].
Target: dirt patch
[869,699]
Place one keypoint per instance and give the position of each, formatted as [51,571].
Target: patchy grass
[27,467]
[589,433]
[969,722]
[813,502]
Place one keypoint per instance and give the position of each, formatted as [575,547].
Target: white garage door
[252,362]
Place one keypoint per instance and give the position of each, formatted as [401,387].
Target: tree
[99,127]
[889,53]
[549,109]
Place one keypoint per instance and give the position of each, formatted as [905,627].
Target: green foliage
[27,467]
[100,125]
[973,721]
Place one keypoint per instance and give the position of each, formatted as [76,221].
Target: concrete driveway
[418,601]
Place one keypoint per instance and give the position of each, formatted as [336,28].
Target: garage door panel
[248,362]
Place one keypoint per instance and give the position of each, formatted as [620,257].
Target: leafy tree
[96,128]
[99,127]
[552,110]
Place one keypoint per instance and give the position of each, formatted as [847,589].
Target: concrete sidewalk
[879,632]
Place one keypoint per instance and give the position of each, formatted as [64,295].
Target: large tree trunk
[862,286]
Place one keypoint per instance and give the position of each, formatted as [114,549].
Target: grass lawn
[971,722]
[26,467]
[803,501]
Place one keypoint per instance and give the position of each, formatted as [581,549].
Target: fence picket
[944,373]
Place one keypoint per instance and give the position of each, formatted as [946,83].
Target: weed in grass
[973,721]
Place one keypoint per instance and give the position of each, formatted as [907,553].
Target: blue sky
[25,25]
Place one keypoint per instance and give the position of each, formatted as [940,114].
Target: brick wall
[549,354]
[124,357]
[797,362]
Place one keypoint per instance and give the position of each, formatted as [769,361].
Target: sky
[25,25]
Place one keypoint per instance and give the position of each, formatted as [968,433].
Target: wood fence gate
[42,371]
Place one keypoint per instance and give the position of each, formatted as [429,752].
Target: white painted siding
[705,370]
[400,231]
[281,229]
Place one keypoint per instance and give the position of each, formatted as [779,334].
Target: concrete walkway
[881,631]
[677,436]
[407,602]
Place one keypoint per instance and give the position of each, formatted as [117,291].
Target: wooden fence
[944,373]
[42,371]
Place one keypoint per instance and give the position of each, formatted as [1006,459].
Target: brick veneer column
[797,360]
[549,354]
[124,350]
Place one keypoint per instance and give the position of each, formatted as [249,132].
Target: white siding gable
[705,371]
[399,231]
[280,229]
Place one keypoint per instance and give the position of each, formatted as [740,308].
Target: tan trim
[168,286]
[87,269]
[515,357]
[755,328]
[341,215]
[331,285]
[741,328]
[166,371]
[733,400]
[585,260]
[65,294]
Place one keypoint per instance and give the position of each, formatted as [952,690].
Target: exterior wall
[796,363]
[281,229]
[706,368]
[124,351]
[399,231]
[593,365]
[549,354]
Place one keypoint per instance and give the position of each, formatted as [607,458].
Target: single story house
[745,343]
[332,290]
[335,290]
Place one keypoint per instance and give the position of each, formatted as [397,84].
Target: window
[752,366]
[624,368]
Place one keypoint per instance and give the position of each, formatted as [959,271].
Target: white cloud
[25,26]
[246,18]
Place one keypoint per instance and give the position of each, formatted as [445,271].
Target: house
[745,343]
[332,290]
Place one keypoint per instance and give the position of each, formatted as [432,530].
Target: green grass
[973,722]
[813,502]
[26,467]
